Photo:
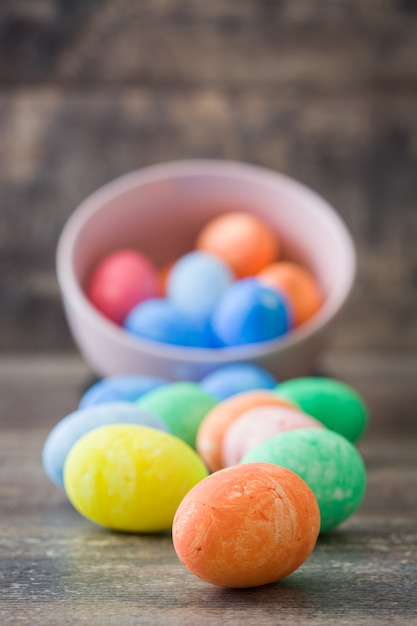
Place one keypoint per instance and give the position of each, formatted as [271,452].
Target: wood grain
[322,91]
[56,568]
[265,43]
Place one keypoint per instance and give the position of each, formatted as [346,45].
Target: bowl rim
[73,294]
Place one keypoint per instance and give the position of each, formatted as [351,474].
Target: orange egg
[214,426]
[246,525]
[298,284]
[242,240]
[163,276]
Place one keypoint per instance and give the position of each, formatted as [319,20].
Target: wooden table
[57,568]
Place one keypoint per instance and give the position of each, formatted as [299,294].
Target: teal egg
[333,403]
[326,461]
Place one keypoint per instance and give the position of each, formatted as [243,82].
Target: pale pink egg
[258,424]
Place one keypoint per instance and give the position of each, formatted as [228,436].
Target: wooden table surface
[57,568]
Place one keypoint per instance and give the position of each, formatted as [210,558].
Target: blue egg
[63,436]
[196,282]
[158,319]
[125,388]
[248,312]
[232,379]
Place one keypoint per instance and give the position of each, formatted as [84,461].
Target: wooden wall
[323,90]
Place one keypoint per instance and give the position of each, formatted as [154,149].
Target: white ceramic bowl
[159,210]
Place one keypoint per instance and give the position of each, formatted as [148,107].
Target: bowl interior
[159,210]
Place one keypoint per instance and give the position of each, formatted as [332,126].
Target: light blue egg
[232,379]
[157,319]
[124,388]
[63,436]
[196,282]
[248,312]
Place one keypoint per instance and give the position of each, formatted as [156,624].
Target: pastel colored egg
[249,312]
[229,380]
[123,388]
[246,525]
[261,423]
[75,425]
[119,281]
[182,406]
[242,240]
[159,320]
[339,407]
[297,284]
[196,282]
[214,426]
[328,463]
[130,478]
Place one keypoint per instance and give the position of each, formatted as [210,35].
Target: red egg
[119,281]
[246,525]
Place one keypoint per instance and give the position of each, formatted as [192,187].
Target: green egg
[333,403]
[330,465]
[182,406]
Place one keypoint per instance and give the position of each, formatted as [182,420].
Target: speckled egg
[328,463]
[261,423]
[246,525]
[68,430]
[214,426]
[182,406]
[332,402]
[130,478]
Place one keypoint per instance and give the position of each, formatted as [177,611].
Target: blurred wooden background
[323,90]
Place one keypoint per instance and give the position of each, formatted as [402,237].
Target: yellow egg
[129,477]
